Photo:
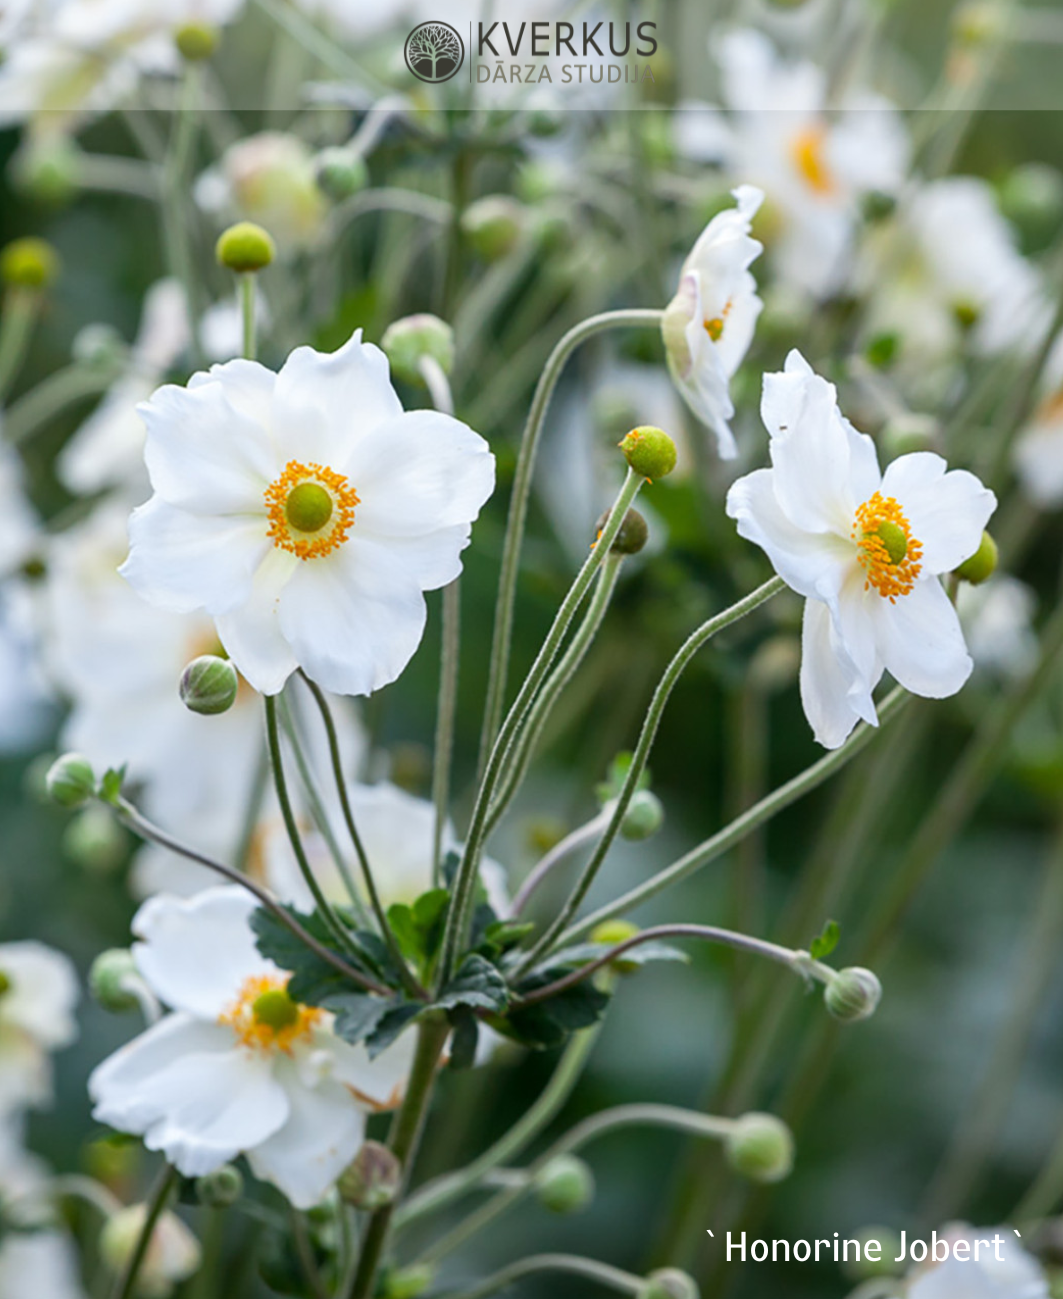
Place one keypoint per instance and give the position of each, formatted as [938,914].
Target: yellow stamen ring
[714,327]
[310,509]
[807,151]
[264,1016]
[887,551]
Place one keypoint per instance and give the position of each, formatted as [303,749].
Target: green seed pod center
[275,1009]
[308,507]
[893,538]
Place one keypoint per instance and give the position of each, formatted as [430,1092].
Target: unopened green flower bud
[71,780]
[493,225]
[110,977]
[220,1189]
[245,247]
[668,1283]
[209,685]
[49,170]
[633,535]
[649,451]
[95,841]
[340,173]
[172,1256]
[1032,197]
[644,816]
[196,42]
[408,1282]
[29,263]
[982,564]
[372,1180]
[852,994]
[564,1185]
[407,340]
[760,1147]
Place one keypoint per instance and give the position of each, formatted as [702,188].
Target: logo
[434,52]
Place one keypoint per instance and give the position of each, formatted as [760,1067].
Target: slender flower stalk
[126,1284]
[613,1278]
[19,315]
[247,315]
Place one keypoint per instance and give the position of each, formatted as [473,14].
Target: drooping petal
[921,641]
[197,952]
[191,1093]
[181,561]
[355,619]
[251,633]
[322,1134]
[947,511]
[826,679]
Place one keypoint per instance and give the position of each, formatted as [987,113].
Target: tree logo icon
[434,52]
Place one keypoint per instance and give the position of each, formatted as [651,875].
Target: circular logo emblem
[434,52]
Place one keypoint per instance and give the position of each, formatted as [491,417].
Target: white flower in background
[19,528]
[108,448]
[101,23]
[41,1262]
[813,159]
[238,1067]
[38,995]
[307,512]
[1038,451]
[1015,1275]
[864,548]
[268,178]
[173,1253]
[708,325]
[997,622]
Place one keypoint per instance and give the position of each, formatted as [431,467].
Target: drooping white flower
[709,324]
[813,164]
[1014,1275]
[864,547]
[37,1002]
[307,512]
[238,1067]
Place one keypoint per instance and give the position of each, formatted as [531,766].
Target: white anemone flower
[238,1067]
[708,325]
[307,512]
[1014,1274]
[37,1002]
[864,547]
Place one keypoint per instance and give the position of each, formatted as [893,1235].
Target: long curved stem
[518,507]
[613,1278]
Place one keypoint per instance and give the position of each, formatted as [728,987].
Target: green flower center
[275,1009]
[893,537]
[308,507]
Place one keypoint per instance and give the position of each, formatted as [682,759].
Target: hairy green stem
[246,293]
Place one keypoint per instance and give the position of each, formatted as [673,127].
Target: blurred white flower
[41,1262]
[1016,1275]
[814,160]
[238,1067]
[864,548]
[173,1253]
[307,512]
[38,995]
[708,325]
[997,621]
[1038,451]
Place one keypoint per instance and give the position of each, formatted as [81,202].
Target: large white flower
[1014,1275]
[709,324]
[37,1002]
[307,512]
[238,1067]
[813,161]
[865,549]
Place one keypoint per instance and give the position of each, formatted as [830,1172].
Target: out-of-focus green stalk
[126,1283]
[603,1273]
[17,318]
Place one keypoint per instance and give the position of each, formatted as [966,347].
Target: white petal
[381,1082]
[826,678]
[947,511]
[434,559]
[325,403]
[355,619]
[921,641]
[196,953]
[190,1093]
[181,561]
[419,473]
[42,993]
[251,633]
[248,387]
[323,1132]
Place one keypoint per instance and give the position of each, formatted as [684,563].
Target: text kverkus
[938,1249]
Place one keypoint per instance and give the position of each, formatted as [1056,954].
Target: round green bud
[564,1185]
[29,263]
[372,1180]
[48,170]
[982,564]
[407,340]
[852,994]
[649,451]
[492,225]
[644,816]
[340,173]
[633,535]
[196,42]
[245,247]
[408,1282]
[71,780]
[209,684]
[95,841]
[1032,197]
[110,977]
[668,1283]
[760,1147]
[220,1189]
[864,1268]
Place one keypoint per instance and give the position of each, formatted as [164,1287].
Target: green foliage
[827,941]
